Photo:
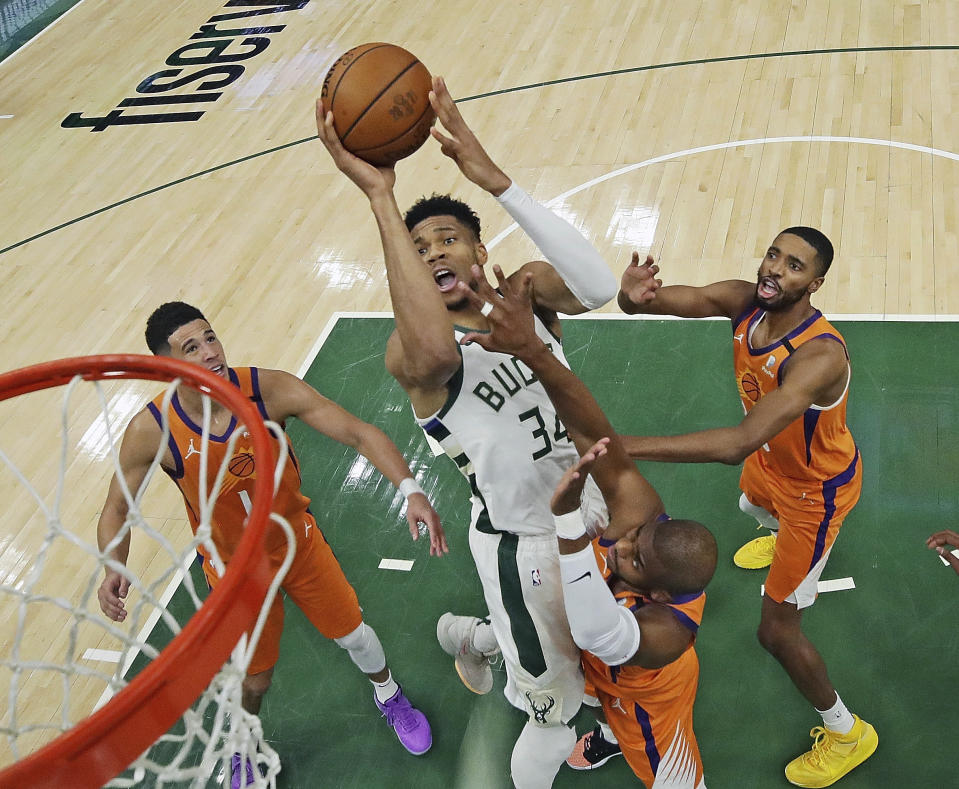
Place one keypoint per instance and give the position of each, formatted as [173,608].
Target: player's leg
[259,675]
[317,584]
[755,502]
[522,586]
[538,754]
[809,528]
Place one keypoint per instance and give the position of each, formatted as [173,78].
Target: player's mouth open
[767,288]
[219,369]
[445,279]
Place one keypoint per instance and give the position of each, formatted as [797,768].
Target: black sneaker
[592,751]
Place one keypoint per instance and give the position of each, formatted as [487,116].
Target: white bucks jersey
[500,428]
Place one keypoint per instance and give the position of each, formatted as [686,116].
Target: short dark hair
[687,550]
[442,205]
[165,320]
[818,241]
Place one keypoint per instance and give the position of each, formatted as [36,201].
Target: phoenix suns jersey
[651,710]
[818,445]
[500,428]
[234,500]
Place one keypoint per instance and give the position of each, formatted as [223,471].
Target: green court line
[517,89]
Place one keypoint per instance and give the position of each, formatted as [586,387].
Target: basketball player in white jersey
[492,416]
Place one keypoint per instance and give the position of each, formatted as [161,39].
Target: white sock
[484,640]
[386,689]
[762,515]
[837,718]
[607,733]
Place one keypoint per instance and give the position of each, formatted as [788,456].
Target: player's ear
[481,254]
[660,596]
[815,285]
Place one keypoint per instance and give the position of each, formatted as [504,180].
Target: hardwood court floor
[695,129]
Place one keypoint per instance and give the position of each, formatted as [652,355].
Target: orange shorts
[809,514]
[654,724]
[316,583]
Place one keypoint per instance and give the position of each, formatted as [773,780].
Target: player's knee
[364,649]
[256,685]
[772,637]
[539,753]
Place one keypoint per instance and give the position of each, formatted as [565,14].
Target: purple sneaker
[236,772]
[409,723]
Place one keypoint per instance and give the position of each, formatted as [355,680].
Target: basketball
[379,96]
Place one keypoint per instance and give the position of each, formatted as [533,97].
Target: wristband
[570,525]
[409,486]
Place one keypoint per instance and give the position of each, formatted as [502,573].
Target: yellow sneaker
[756,554]
[832,755]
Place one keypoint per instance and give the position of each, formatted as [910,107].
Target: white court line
[907,146]
[147,628]
[954,553]
[396,564]
[107,655]
[6,116]
[835,585]
[43,30]
[324,335]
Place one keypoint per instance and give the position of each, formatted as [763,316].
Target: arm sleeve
[597,622]
[575,259]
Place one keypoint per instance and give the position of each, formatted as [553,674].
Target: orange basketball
[379,96]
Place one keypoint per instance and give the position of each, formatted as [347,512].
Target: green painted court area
[890,644]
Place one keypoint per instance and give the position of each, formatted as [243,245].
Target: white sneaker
[455,634]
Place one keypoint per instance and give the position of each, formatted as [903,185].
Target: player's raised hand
[460,144]
[419,510]
[362,173]
[569,490]
[940,543]
[639,284]
[509,313]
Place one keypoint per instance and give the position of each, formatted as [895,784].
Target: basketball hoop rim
[104,744]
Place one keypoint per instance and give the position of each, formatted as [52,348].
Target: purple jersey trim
[177,473]
[829,489]
[794,333]
[652,752]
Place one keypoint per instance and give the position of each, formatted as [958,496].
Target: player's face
[634,560]
[788,272]
[196,342]
[450,249]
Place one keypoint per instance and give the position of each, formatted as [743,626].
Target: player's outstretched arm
[461,145]
[640,291]
[941,542]
[425,353]
[137,451]
[577,278]
[815,370]
[652,636]
[287,396]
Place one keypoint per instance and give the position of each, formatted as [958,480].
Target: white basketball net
[201,746]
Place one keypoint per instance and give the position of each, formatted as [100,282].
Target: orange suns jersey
[816,446]
[651,710]
[235,496]
[638,684]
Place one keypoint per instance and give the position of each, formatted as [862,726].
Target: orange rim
[103,745]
